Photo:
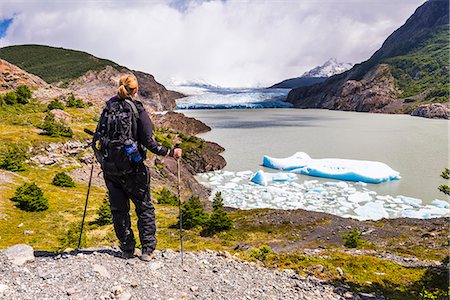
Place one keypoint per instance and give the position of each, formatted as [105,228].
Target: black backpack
[116,130]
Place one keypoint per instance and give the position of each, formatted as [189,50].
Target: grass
[53,64]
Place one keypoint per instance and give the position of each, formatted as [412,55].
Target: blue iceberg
[264,179]
[340,169]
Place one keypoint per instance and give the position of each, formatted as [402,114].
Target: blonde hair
[127,85]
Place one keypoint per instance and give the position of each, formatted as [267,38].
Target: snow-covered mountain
[329,68]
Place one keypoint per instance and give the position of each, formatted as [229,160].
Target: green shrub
[10,98]
[443,187]
[163,141]
[261,253]
[55,104]
[54,128]
[29,197]
[70,239]
[14,159]
[218,220]
[164,196]
[193,214]
[353,239]
[217,201]
[74,102]
[23,93]
[104,213]
[63,180]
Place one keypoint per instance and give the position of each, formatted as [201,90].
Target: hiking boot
[130,254]
[147,255]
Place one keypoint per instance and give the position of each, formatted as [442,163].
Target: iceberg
[263,178]
[340,169]
[371,211]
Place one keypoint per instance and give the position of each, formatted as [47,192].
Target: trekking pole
[179,209]
[87,196]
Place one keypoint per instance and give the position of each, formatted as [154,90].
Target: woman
[123,131]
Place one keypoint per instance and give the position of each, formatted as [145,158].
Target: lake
[416,147]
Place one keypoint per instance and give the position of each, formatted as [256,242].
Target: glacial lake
[415,147]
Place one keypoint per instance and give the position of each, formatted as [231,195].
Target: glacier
[340,169]
[345,199]
[213,97]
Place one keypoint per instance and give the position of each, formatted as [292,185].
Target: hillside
[89,77]
[298,82]
[410,69]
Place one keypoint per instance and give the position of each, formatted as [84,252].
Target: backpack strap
[133,108]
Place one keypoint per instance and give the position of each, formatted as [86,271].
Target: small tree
[10,98]
[217,201]
[193,214]
[23,94]
[74,102]
[104,213]
[70,238]
[443,187]
[353,238]
[29,197]
[218,220]
[54,128]
[14,159]
[164,196]
[55,104]
[63,180]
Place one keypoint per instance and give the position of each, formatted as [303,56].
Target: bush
[55,104]
[54,128]
[29,197]
[74,102]
[164,196]
[218,220]
[443,187]
[261,253]
[104,213]
[353,239]
[10,98]
[63,180]
[193,214]
[70,239]
[14,159]
[23,94]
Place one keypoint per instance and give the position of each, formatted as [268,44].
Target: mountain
[409,70]
[89,77]
[318,74]
[329,68]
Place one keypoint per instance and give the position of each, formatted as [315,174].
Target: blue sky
[230,43]
[4,24]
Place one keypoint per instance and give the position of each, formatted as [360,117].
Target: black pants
[133,186]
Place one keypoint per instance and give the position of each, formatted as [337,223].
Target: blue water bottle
[133,153]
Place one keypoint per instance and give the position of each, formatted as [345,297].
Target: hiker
[123,132]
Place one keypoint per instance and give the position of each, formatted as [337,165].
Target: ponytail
[127,85]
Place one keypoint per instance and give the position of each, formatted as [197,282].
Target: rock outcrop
[432,111]
[12,76]
[180,123]
[372,86]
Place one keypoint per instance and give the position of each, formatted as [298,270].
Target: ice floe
[263,178]
[346,199]
[340,169]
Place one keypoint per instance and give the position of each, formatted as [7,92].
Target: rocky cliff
[411,68]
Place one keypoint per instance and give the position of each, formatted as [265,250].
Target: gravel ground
[101,274]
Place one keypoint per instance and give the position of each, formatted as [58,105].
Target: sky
[221,42]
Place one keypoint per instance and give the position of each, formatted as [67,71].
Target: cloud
[231,43]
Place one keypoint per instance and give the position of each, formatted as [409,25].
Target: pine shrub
[54,128]
[353,238]
[193,214]
[63,180]
[55,104]
[164,196]
[14,159]
[74,102]
[218,219]
[104,213]
[260,254]
[10,98]
[444,188]
[217,201]
[29,197]
[70,238]
[23,93]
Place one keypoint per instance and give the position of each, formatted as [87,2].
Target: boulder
[432,111]
[19,254]
[61,116]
